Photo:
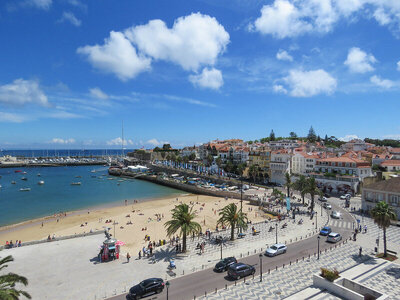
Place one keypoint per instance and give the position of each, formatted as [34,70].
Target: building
[385,190]
[341,174]
[303,163]
[283,144]
[279,165]
[356,145]
[391,165]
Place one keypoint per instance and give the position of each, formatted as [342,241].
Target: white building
[279,165]
[303,163]
[391,165]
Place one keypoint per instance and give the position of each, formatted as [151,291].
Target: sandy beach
[142,215]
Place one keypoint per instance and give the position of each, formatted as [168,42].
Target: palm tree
[382,214]
[301,186]
[8,282]
[288,183]
[230,215]
[313,190]
[182,219]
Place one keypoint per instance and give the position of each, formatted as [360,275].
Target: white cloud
[70,17]
[98,93]
[21,92]
[116,56]
[279,89]
[155,142]
[359,61]
[209,78]
[382,17]
[42,4]
[398,66]
[118,142]
[11,117]
[282,19]
[383,83]
[349,137]
[283,55]
[193,40]
[310,83]
[62,141]
[347,7]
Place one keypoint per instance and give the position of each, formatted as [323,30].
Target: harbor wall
[27,165]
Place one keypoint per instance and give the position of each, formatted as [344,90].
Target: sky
[186,72]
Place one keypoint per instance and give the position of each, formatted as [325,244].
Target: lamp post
[221,249]
[167,285]
[260,266]
[241,199]
[276,227]
[318,246]
[321,209]
[316,220]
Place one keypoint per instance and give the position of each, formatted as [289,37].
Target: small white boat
[93,171]
[38,175]
[0,186]
[23,173]
[24,189]
[75,183]
[13,182]
[41,182]
[24,178]
[78,176]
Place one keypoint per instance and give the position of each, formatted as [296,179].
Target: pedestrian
[140,254]
[360,251]
[177,248]
[354,236]
[128,256]
[365,228]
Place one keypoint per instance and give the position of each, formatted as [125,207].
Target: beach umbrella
[119,243]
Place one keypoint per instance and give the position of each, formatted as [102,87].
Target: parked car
[327,195]
[323,199]
[145,288]
[325,231]
[224,264]
[336,215]
[239,270]
[345,197]
[327,206]
[276,250]
[334,237]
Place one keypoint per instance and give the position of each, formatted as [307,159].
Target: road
[196,284]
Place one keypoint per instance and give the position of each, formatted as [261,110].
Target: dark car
[223,264]
[327,195]
[325,231]
[239,270]
[146,287]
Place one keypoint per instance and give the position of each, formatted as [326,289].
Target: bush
[330,275]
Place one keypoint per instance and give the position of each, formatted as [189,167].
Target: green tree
[311,137]
[272,135]
[382,213]
[253,170]
[182,220]
[231,216]
[192,156]
[326,139]
[166,147]
[288,183]
[8,282]
[301,186]
[210,159]
[240,168]
[293,135]
[313,190]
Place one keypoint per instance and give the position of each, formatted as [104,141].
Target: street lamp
[276,226]
[316,220]
[318,246]
[221,249]
[241,199]
[260,266]
[167,285]
[321,210]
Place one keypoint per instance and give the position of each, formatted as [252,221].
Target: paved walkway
[71,269]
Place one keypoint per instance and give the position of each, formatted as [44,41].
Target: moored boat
[24,178]
[17,171]
[13,182]
[75,183]
[24,189]
[41,182]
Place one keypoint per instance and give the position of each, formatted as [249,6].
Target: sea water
[58,195]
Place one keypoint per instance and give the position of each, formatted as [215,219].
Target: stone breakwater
[179,185]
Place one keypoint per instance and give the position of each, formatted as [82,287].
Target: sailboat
[41,182]
[76,183]
[24,189]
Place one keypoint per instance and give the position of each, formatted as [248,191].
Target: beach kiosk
[109,250]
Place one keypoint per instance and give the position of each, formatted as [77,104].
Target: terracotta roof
[391,162]
[394,150]
[342,159]
[390,185]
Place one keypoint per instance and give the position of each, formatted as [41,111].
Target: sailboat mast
[122,152]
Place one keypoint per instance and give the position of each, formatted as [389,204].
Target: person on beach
[140,254]
[128,256]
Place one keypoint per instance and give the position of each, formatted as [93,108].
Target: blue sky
[186,72]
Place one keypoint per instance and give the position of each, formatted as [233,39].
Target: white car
[334,237]
[327,206]
[336,215]
[276,250]
[323,199]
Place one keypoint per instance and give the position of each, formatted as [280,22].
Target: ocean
[58,195]
[63,152]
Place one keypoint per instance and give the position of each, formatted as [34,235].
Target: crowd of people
[10,244]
